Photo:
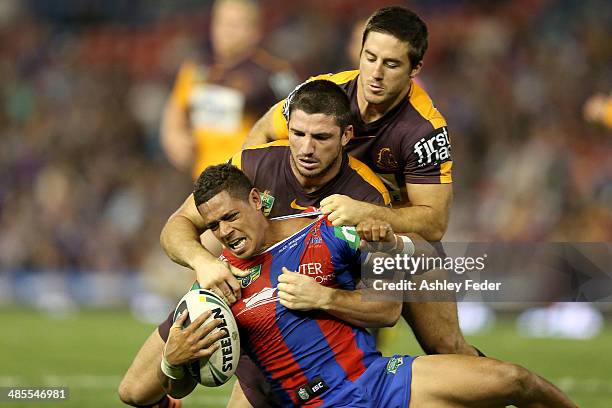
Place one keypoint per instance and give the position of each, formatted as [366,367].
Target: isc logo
[433,148]
[317,386]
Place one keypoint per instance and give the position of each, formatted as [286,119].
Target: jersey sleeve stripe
[236,160]
[422,103]
[339,78]
[282,143]
[446,176]
[370,177]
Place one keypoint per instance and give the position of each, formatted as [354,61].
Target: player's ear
[416,69]
[347,135]
[255,199]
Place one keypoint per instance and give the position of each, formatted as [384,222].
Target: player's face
[238,224]
[234,29]
[316,144]
[385,68]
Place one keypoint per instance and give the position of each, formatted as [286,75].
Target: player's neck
[282,229]
[371,112]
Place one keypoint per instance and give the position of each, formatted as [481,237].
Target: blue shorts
[385,383]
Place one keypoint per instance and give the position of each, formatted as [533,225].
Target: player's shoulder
[339,78]
[270,146]
[263,153]
[428,115]
[367,181]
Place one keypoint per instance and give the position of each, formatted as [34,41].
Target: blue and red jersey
[298,349]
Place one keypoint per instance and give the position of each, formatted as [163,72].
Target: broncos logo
[385,159]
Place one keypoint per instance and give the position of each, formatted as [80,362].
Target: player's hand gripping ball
[221,365]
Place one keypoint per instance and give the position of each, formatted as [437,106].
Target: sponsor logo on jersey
[348,234]
[267,201]
[264,296]
[434,148]
[296,206]
[313,389]
[385,160]
[393,364]
[254,273]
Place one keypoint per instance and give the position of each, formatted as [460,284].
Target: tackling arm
[271,126]
[180,238]
[427,216]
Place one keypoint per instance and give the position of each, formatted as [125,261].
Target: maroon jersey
[409,144]
[268,167]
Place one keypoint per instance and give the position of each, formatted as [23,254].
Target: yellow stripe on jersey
[446,175]
[422,103]
[339,78]
[279,124]
[370,177]
[182,86]
[237,158]
[283,142]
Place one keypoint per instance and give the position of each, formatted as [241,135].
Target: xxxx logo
[267,201]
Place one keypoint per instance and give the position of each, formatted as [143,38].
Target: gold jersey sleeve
[279,122]
[182,85]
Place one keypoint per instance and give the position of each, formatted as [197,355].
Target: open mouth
[237,244]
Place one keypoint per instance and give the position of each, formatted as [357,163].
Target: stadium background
[85,188]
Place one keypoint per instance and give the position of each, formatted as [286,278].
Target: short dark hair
[218,178]
[320,96]
[403,24]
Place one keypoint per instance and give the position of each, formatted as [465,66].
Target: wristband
[408,245]
[174,372]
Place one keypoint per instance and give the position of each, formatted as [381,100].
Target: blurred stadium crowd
[84,185]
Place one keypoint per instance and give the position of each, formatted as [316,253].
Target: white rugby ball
[222,364]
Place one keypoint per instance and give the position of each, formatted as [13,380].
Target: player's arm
[301,292]
[351,307]
[180,238]
[192,343]
[427,216]
[175,132]
[271,126]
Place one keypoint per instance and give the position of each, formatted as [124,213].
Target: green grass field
[89,352]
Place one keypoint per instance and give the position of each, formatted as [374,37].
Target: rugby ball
[219,368]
